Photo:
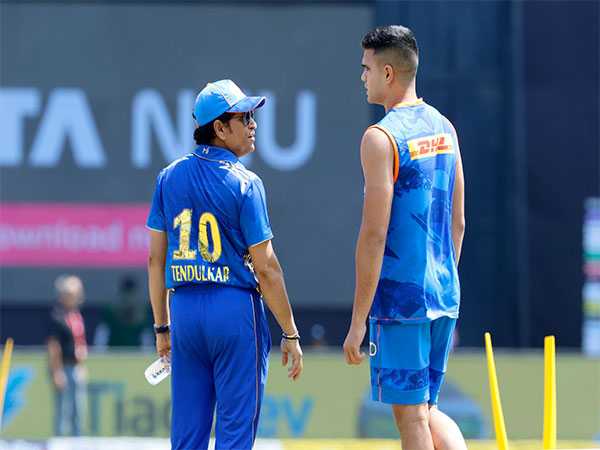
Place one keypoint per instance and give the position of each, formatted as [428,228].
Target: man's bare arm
[156,286]
[54,354]
[377,161]
[55,362]
[272,286]
[458,208]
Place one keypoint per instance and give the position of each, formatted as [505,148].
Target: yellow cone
[549,393]
[497,415]
[4,371]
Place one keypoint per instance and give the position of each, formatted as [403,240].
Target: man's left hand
[163,343]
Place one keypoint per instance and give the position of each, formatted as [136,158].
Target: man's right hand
[354,338]
[163,343]
[59,379]
[291,347]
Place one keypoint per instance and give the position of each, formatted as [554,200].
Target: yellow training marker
[4,370]
[549,393]
[498,417]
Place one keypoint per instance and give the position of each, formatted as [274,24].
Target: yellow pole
[497,415]
[549,393]
[4,371]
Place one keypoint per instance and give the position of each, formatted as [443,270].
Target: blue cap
[220,97]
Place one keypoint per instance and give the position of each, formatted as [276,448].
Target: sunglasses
[246,117]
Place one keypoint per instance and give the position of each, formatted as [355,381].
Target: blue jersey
[212,209]
[419,278]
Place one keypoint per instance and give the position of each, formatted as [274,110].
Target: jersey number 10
[184,221]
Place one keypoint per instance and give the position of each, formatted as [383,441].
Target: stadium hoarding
[329,401]
[98,99]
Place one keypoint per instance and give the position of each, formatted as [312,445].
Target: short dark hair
[396,40]
[205,134]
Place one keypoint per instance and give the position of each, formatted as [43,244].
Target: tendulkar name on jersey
[212,209]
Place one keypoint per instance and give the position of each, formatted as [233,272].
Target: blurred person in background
[318,338]
[409,244]
[125,323]
[210,232]
[67,351]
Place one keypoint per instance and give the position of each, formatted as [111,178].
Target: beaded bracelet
[294,337]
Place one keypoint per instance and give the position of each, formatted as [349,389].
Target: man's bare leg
[413,423]
[445,433]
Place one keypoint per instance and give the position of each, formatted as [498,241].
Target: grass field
[368,444]
[127,443]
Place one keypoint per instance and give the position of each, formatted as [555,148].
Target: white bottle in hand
[158,370]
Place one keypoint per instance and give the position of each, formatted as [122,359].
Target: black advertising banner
[96,99]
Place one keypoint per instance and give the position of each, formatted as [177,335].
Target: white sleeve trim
[155,229]
[258,243]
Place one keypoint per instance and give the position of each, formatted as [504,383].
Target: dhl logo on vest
[427,146]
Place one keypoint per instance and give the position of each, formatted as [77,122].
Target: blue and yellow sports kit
[213,209]
[415,307]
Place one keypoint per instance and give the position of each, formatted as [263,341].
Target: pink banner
[90,235]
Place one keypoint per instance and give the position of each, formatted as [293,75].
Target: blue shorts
[408,361]
[220,344]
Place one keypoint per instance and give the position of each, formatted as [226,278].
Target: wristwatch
[158,329]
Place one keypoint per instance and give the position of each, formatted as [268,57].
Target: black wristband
[293,337]
[158,329]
